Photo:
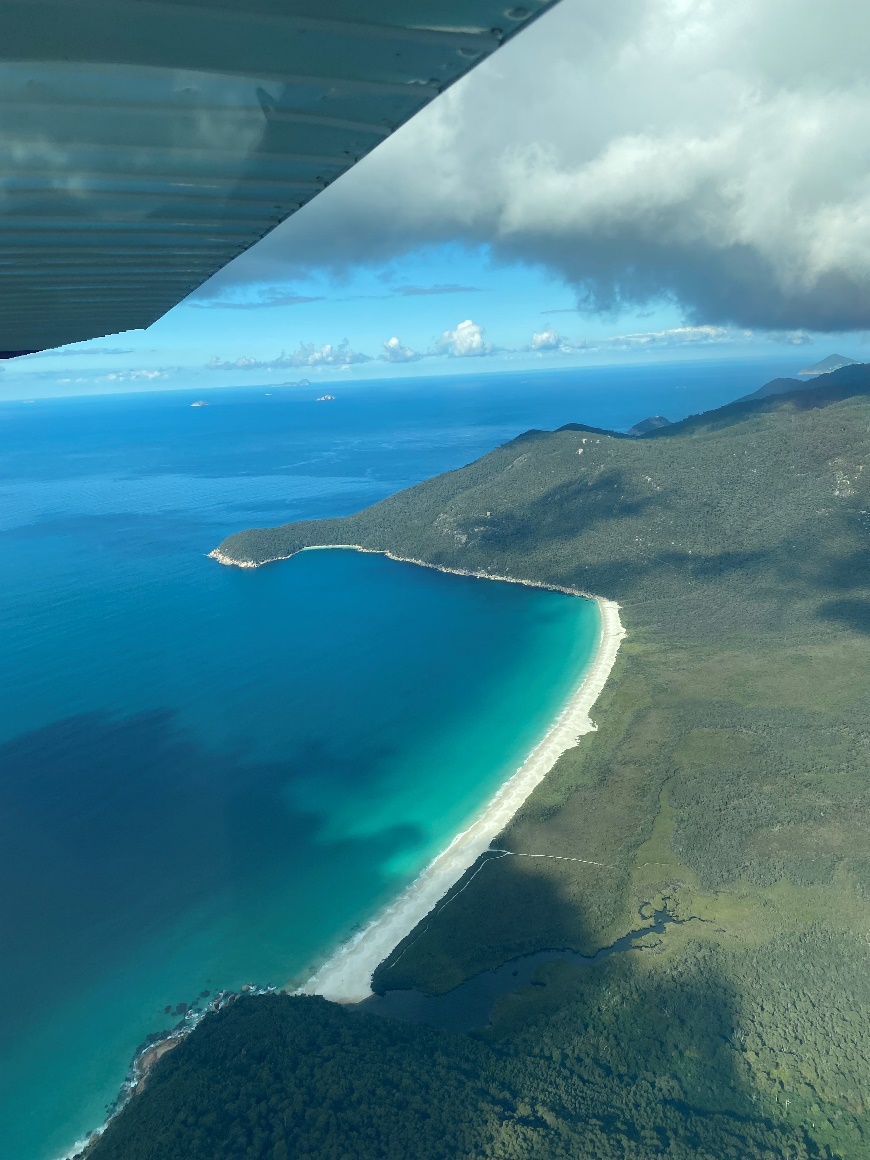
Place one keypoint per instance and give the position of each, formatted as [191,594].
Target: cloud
[148,375]
[244,362]
[698,335]
[465,341]
[548,339]
[394,352]
[791,337]
[145,375]
[652,150]
[76,351]
[307,355]
[678,336]
[267,296]
[425,291]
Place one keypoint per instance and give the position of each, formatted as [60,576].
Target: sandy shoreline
[346,976]
[217,554]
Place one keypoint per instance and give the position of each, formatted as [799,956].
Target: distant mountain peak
[653,423]
[832,363]
[853,376]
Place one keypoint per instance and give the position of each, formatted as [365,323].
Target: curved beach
[346,976]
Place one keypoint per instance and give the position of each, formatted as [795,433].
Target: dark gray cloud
[649,150]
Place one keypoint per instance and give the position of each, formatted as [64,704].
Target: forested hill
[846,378]
[771,490]
[727,783]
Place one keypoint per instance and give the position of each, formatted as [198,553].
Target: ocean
[208,776]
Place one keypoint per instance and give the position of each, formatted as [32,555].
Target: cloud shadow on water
[113,828]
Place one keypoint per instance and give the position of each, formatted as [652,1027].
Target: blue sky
[521,316]
[655,179]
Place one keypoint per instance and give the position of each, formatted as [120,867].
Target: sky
[641,180]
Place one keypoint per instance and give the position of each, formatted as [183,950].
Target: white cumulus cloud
[395,352]
[464,341]
[340,355]
[548,339]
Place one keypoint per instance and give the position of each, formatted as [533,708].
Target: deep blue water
[209,776]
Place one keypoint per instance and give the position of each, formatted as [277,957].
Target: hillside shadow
[319,1080]
[852,614]
[471,929]
[622,577]
[649,1062]
[571,507]
[822,571]
[843,572]
[620,1061]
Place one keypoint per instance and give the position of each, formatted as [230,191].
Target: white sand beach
[346,976]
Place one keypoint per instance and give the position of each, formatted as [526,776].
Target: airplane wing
[146,143]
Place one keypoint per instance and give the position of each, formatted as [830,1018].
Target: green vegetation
[727,780]
[279,1078]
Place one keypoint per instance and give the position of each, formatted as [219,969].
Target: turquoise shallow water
[245,764]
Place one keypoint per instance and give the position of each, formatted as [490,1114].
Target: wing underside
[146,143]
